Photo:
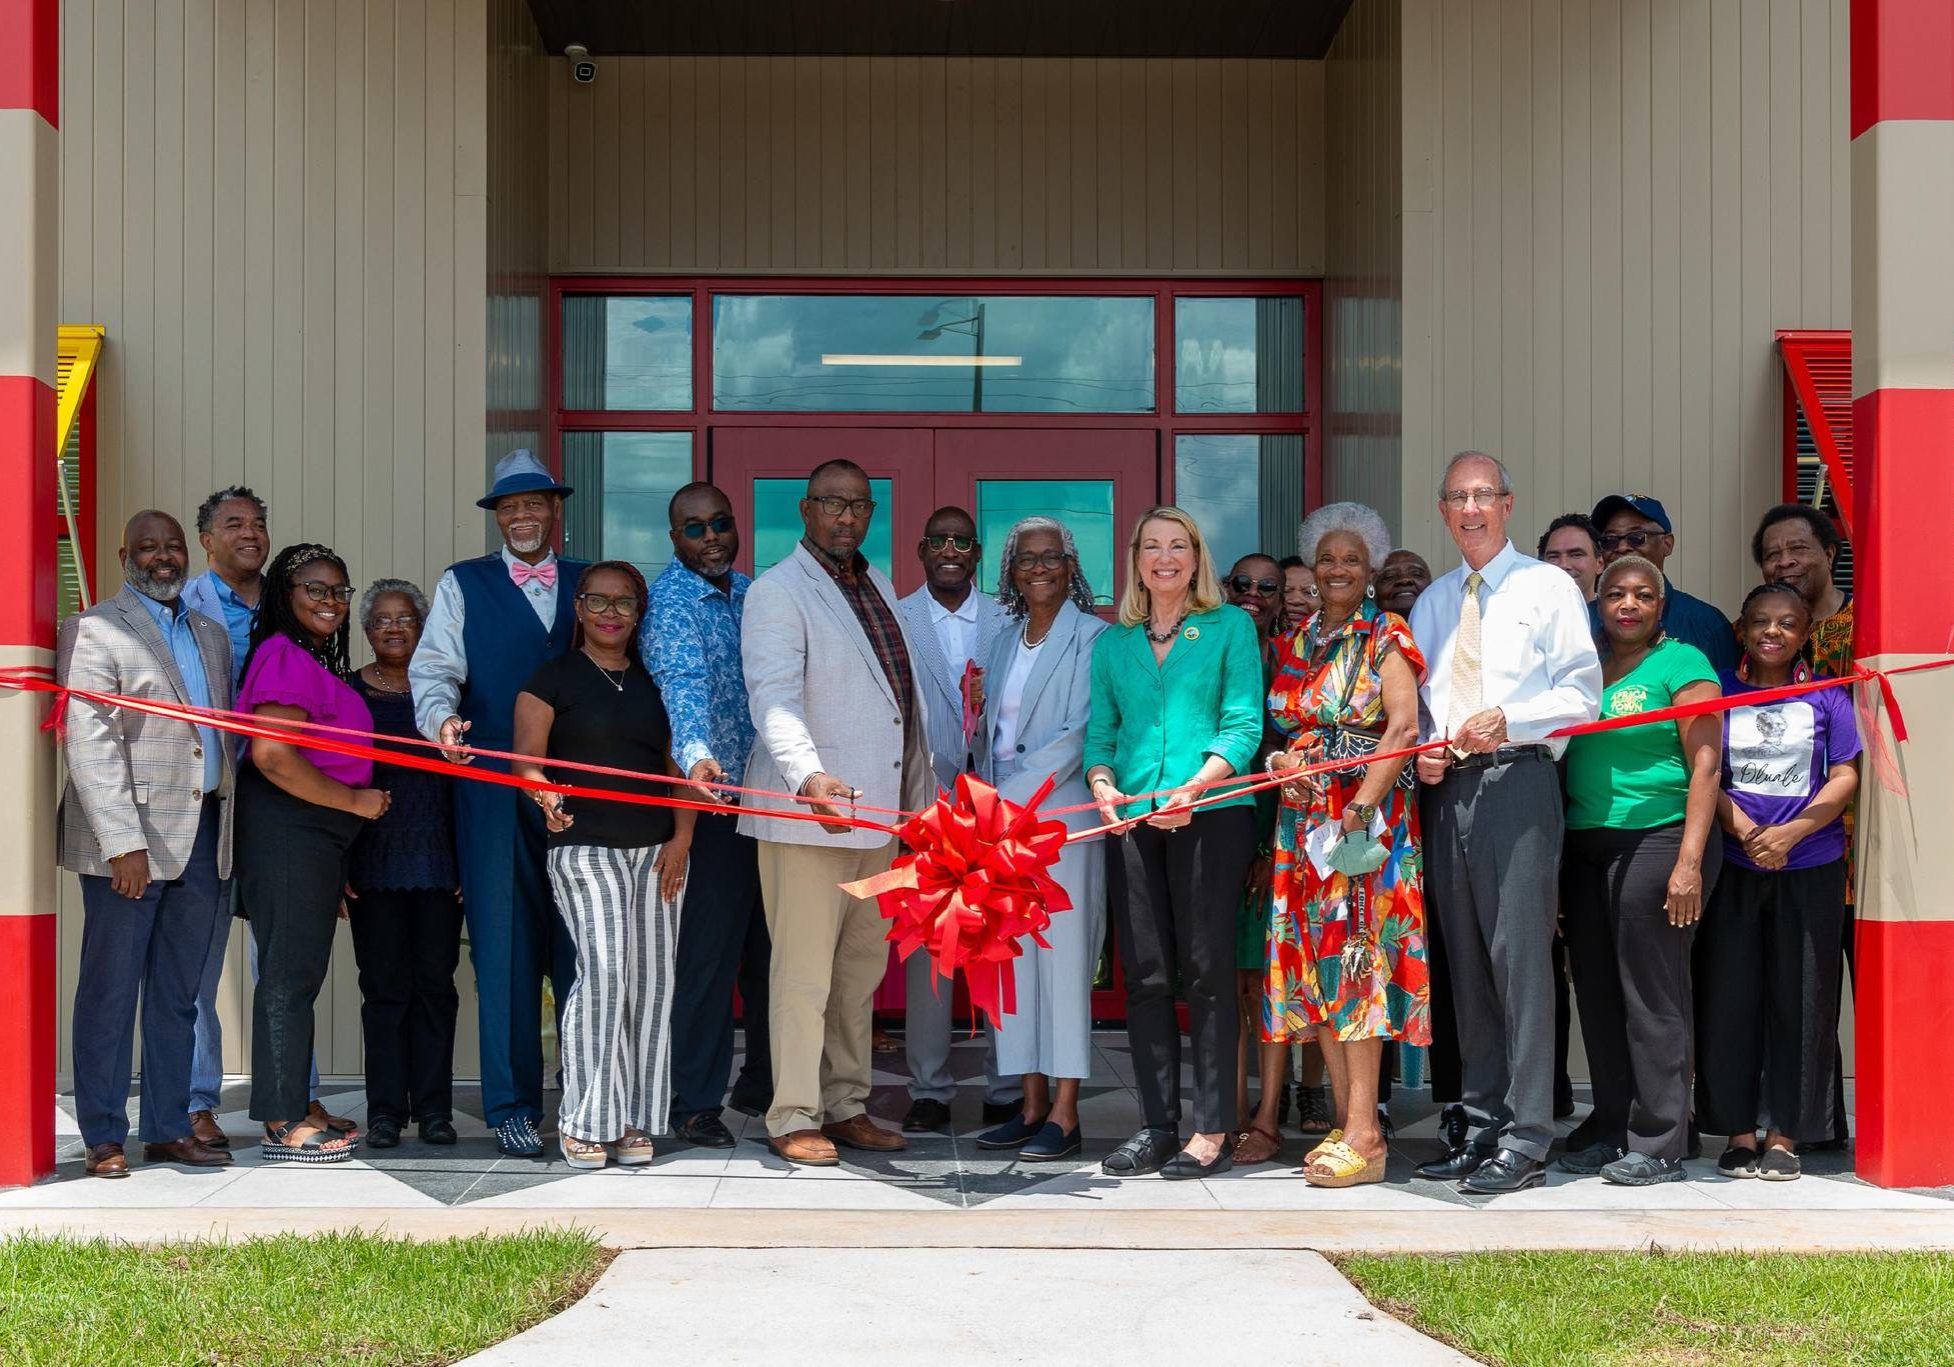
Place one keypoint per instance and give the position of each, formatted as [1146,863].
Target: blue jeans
[207,1059]
[154,947]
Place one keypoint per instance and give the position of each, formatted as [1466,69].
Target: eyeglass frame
[411,619]
[610,604]
[696,529]
[319,592]
[1040,560]
[1483,496]
[1242,583]
[862,508]
[1636,537]
[937,541]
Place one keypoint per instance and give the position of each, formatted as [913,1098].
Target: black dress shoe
[1452,1125]
[1145,1152]
[439,1130]
[707,1131]
[997,1112]
[383,1132]
[1461,1160]
[1506,1171]
[1183,1166]
[925,1117]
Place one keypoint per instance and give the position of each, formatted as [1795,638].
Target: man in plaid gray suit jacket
[146,821]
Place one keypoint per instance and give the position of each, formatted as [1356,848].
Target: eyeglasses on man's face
[718,526]
[1038,560]
[406,621]
[1241,583]
[320,593]
[964,545]
[833,505]
[1635,540]
[1484,496]
[602,604]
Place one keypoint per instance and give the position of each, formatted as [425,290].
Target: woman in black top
[617,869]
[403,901]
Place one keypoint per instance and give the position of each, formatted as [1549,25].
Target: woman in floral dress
[1347,949]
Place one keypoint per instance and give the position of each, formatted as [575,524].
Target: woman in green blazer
[1177,692]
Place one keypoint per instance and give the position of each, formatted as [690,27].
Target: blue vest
[505,643]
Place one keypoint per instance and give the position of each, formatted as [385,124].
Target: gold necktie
[1467,688]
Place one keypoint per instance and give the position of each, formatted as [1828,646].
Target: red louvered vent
[1818,449]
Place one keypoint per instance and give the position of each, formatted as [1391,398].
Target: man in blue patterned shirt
[691,641]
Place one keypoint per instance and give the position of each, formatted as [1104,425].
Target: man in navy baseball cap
[1636,524]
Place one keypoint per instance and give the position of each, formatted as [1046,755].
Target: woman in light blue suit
[1039,694]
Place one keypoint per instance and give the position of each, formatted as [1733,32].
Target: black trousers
[1492,847]
[716,945]
[1442,1056]
[1632,979]
[407,944]
[1173,896]
[290,859]
[1767,1002]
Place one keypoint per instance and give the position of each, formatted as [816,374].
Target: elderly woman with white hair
[1034,728]
[1347,936]
[403,899]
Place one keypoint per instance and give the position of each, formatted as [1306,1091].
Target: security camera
[582,70]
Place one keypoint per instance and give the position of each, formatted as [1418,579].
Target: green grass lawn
[332,1298]
[1677,1310]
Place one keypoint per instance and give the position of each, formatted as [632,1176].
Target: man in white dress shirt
[1509,660]
[951,624]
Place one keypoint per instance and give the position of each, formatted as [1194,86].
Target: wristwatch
[1365,811]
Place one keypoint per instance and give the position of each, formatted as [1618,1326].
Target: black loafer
[1505,1172]
[1012,1134]
[707,1131]
[1145,1152]
[997,1112]
[1461,1160]
[439,1130]
[383,1133]
[925,1117]
[1183,1167]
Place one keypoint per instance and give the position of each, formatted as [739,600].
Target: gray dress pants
[1492,858]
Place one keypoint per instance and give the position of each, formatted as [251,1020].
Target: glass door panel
[1085,506]
[776,527]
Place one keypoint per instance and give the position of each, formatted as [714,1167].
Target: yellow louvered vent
[80,347]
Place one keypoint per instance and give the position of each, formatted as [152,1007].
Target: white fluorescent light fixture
[843,358]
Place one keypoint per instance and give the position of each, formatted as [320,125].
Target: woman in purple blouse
[1770,953]
[298,810]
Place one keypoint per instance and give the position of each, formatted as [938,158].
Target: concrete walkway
[949,1308]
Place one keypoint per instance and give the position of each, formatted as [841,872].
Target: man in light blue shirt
[691,643]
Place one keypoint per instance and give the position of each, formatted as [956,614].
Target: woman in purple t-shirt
[1770,954]
[297,813]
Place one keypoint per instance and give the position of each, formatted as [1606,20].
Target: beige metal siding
[921,164]
[276,207]
[1609,208]
[1363,287]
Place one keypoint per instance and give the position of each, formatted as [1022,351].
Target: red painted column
[1902,114]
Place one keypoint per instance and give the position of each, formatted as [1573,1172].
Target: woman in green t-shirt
[1637,868]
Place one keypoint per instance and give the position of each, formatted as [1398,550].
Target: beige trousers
[829,955]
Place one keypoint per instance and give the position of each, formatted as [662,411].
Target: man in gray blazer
[146,821]
[952,625]
[839,717]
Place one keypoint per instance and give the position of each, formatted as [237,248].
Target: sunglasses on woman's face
[718,526]
[1241,583]
[319,593]
[598,604]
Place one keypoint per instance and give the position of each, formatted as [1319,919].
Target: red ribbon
[974,881]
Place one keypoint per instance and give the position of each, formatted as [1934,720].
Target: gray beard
[142,583]
[528,545]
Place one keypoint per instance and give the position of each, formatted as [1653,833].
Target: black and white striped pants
[616,1046]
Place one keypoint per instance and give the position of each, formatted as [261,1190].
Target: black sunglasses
[1636,540]
[718,526]
[963,544]
[1241,583]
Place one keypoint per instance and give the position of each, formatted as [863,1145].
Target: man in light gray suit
[952,625]
[839,718]
[146,821]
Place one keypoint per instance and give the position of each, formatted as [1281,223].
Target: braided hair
[638,586]
[1077,589]
[277,617]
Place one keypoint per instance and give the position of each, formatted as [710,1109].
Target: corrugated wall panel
[250,191]
[966,165]
[1609,209]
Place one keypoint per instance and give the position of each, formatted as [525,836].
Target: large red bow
[974,879]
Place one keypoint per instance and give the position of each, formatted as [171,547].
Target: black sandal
[311,1149]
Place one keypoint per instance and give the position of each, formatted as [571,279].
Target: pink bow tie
[545,573]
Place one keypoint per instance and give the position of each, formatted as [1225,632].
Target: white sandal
[583,1153]
[634,1150]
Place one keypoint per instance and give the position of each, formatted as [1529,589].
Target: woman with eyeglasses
[617,870]
[403,899]
[298,812]
[1033,728]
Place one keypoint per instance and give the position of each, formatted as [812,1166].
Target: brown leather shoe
[189,1151]
[204,1129]
[106,1160]
[859,1132]
[806,1147]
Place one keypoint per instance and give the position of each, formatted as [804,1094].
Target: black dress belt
[1505,754]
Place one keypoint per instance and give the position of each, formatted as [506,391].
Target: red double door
[1097,481]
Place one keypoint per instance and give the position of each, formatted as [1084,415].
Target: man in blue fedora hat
[493,621]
